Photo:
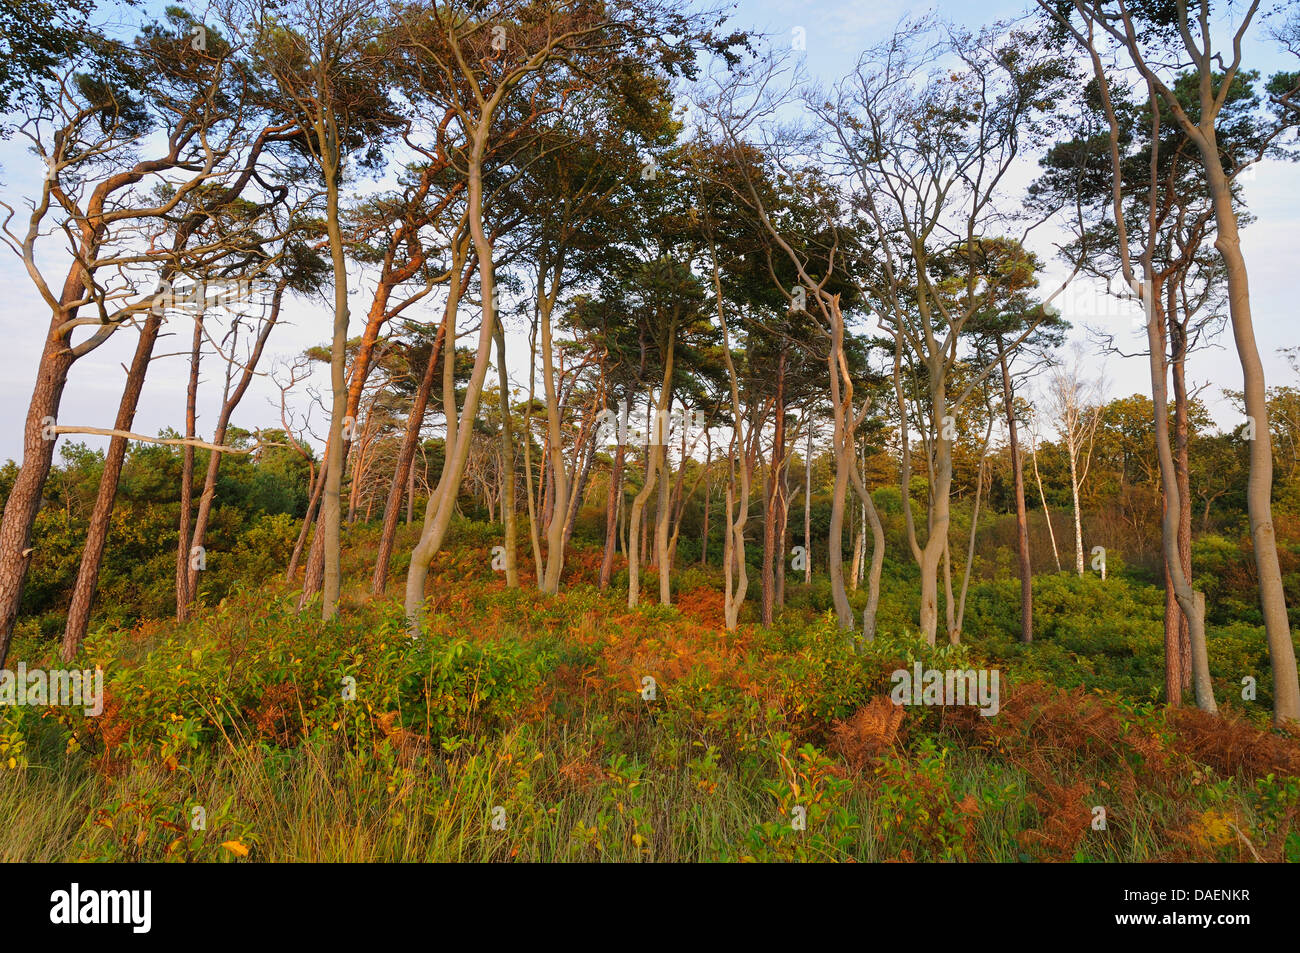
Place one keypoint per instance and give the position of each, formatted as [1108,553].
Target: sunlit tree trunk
[92,556]
[654,463]
[442,500]
[183,594]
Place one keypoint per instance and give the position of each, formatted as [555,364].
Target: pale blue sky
[835,33]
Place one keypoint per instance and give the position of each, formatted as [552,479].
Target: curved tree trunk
[654,462]
[442,501]
[634,525]
[308,520]
[1259,485]
[579,491]
[557,497]
[1042,496]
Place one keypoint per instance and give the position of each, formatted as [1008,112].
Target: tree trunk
[442,501]
[316,572]
[974,529]
[735,576]
[1259,485]
[1047,515]
[308,519]
[782,528]
[662,513]
[859,540]
[183,556]
[329,529]
[25,498]
[1078,518]
[1022,515]
[708,495]
[635,531]
[927,557]
[1178,637]
[229,403]
[611,514]
[877,558]
[404,472]
[313,573]
[410,517]
[557,497]
[92,556]
[508,513]
[807,507]
[655,454]
[579,490]
[1191,601]
[772,501]
[846,461]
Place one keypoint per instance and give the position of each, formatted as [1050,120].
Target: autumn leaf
[235,847]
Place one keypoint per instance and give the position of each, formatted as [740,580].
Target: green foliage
[918,806]
[812,822]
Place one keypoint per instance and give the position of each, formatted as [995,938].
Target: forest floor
[524,727]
